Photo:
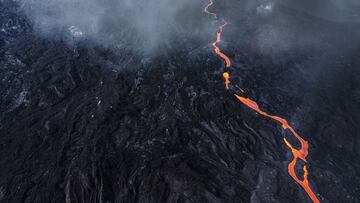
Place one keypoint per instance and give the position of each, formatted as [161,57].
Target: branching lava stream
[301,153]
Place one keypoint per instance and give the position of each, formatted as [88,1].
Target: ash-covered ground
[82,122]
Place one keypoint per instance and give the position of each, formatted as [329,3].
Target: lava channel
[218,51]
[302,153]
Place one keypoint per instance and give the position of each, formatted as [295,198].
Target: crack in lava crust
[302,153]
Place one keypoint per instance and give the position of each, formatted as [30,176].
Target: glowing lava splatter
[302,153]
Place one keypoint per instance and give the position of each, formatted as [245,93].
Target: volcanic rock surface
[84,123]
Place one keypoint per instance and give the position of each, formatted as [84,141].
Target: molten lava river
[298,154]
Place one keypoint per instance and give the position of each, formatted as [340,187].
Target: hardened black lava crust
[81,122]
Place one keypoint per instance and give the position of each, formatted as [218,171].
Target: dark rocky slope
[81,123]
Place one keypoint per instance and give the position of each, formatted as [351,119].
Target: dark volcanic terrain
[81,122]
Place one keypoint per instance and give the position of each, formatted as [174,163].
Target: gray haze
[148,25]
[333,10]
[280,26]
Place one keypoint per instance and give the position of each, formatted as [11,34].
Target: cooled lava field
[179,101]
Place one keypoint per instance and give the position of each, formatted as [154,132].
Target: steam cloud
[143,23]
[148,25]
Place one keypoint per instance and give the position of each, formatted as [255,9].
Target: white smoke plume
[148,24]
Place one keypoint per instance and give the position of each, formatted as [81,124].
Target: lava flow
[206,9]
[297,154]
[218,51]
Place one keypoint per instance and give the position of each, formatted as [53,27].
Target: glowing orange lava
[302,153]
[226,77]
[298,154]
[217,49]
